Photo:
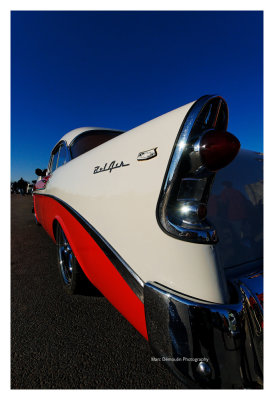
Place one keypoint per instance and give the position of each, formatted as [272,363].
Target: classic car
[165,220]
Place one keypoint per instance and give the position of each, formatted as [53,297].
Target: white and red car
[165,220]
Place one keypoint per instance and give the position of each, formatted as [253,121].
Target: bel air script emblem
[110,167]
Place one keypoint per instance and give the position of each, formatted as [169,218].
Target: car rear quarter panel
[121,205]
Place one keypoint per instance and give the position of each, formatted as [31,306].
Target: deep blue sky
[120,69]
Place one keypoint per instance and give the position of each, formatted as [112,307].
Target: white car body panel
[121,205]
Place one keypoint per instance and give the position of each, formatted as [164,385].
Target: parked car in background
[165,220]
[29,188]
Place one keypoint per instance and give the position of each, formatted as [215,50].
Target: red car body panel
[93,261]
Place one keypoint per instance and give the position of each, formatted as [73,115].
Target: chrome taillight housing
[203,146]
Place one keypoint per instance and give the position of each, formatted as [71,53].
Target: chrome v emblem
[147,154]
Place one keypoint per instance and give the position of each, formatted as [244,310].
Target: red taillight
[218,149]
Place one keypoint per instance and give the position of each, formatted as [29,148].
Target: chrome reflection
[209,112]
[65,257]
[207,345]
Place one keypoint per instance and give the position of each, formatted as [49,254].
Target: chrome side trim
[203,232]
[207,345]
[131,278]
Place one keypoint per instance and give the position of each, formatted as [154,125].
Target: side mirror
[39,172]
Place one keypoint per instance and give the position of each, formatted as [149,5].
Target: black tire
[73,279]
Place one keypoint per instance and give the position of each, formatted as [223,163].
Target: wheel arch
[59,221]
[93,260]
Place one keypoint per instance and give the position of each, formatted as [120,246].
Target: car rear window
[89,140]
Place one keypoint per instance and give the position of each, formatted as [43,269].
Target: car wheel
[73,278]
[36,222]
[35,218]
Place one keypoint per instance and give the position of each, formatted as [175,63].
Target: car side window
[62,156]
[54,160]
[59,157]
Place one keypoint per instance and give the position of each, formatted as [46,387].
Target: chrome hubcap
[65,259]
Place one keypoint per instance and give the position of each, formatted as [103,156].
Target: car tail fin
[203,146]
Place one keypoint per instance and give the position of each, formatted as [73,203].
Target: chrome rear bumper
[209,345]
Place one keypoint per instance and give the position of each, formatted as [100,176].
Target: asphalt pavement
[60,341]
